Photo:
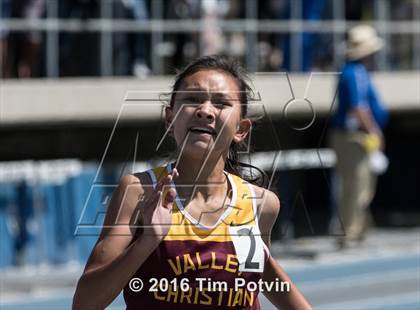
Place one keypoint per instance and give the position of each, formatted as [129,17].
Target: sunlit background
[81,104]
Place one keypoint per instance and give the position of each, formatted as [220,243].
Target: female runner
[194,232]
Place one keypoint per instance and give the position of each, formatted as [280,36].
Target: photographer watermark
[205,291]
[207,284]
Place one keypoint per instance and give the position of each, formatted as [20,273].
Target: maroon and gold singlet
[215,264]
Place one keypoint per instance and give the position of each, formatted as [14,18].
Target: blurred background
[81,104]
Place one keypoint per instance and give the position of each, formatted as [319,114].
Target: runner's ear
[242,130]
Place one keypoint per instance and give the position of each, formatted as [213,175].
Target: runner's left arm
[269,208]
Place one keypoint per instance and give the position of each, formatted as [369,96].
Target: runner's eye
[193,99]
[222,104]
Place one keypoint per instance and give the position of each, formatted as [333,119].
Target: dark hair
[232,67]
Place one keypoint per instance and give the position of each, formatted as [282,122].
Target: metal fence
[251,27]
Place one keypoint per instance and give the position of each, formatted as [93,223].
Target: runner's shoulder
[136,184]
[268,205]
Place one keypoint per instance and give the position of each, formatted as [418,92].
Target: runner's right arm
[114,260]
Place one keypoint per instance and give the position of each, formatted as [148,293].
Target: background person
[356,131]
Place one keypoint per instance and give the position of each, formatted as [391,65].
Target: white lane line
[355,281]
[349,261]
[39,296]
[375,302]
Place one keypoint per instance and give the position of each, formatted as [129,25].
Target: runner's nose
[206,111]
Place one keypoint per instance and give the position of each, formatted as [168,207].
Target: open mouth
[203,130]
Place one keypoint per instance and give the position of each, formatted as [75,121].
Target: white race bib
[249,247]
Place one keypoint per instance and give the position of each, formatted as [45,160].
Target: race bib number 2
[249,247]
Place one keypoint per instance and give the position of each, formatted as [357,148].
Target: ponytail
[234,166]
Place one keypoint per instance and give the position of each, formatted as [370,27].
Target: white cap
[362,41]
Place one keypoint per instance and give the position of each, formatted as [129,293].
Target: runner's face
[207,113]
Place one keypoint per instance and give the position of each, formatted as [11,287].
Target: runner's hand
[157,211]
